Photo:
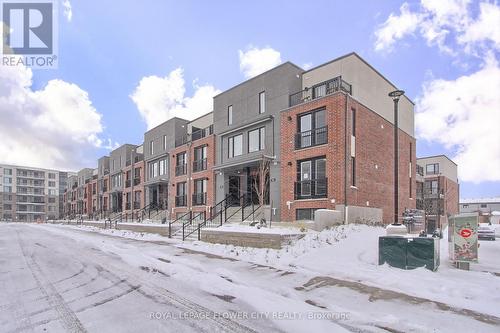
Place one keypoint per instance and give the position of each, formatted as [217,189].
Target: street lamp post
[395,95]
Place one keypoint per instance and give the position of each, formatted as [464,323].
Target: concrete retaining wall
[258,240]
[363,215]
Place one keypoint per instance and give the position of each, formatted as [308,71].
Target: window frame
[261,135]
[230,115]
[231,145]
[262,102]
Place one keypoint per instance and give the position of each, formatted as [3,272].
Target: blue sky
[108,47]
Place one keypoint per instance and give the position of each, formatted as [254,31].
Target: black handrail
[176,220]
[186,232]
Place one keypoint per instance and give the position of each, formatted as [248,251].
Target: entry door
[234,190]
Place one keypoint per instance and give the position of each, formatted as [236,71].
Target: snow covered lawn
[351,252]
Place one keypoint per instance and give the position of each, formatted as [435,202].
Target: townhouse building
[337,144]
[488,208]
[158,143]
[247,131]
[437,189]
[191,170]
[133,175]
[31,194]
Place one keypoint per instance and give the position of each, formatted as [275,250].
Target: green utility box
[409,252]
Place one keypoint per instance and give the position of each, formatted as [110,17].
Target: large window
[262,102]
[256,139]
[200,158]
[180,198]
[180,164]
[311,179]
[200,191]
[312,129]
[432,169]
[353,171]
[230,115]
[7,172]
[353,122]
[151,147]
[235,145]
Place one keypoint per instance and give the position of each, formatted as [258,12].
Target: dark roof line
[440,155]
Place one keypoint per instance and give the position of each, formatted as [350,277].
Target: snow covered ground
[60,278]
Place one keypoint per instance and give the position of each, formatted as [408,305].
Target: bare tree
[260,182]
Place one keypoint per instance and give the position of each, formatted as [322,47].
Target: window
[151,147]
[7,189]
[420,170]
[52,176]
[7,207]
[164,142]
[262,102]
[353,171]
[113,164]
[256,139]
[200,158]
[7,172]
[311,179]
[52,200]
[312,129]
[52,184]
[7,180]
[484,205]
[305,213]
[432,169]
[155,169]
[52,192]
[162,167]
[432,186]
[230,115]
[200,191]
[235,145]
[465,206]
[181,166]
[353,122]
[180,199]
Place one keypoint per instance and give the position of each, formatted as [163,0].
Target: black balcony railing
[137,205]
[320,90]
[200,165]
[105,189]
[181,169]
[127,206]
[137,181]
[199,199]
[314,137]
[311,189]
[128,183]
[181,201]
[196,135]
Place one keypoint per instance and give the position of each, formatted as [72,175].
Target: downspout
[345,160]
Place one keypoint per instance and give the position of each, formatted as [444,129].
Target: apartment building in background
[437,189]
[31,194]
[337,144]
[488,208]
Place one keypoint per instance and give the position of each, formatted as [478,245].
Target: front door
[234,190]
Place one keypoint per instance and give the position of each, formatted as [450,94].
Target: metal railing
[310,189]
[137,181]
[199,199]
[128,183]
[196,135]
[180,169]
[314,137]
[320,90]
[180,200]
[186,216]
[200,165]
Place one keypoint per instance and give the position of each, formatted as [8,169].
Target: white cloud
[53,127]
[446,23]
[67,10]
[255,61]
[464,116]
[396,27]
[162,98]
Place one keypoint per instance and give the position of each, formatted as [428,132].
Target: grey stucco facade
[245,102]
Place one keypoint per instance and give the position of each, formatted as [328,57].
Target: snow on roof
[480,200]
[495,212]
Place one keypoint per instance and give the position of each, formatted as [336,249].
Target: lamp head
[396,94]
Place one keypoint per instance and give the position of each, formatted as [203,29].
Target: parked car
[486,232]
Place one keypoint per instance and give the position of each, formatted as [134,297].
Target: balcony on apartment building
[311,189]
[200,165]
[199,199]
[137,205]
[128,183]
[311,138]
[181,201]
[29,174]
[128,205]
[196,135]
[319,90]
[137,181]
[180,169]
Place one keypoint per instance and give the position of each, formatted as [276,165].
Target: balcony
[181,201]
[314,137]
[128,205]
[137,205]
[137,181]
[128,183]
[181,169]
[311,189]
[200,165]
[105,189]
[199,199]
[196,135]
[320,90]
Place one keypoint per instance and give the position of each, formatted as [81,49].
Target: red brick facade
[133,189]
[373,154]
[191,176]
